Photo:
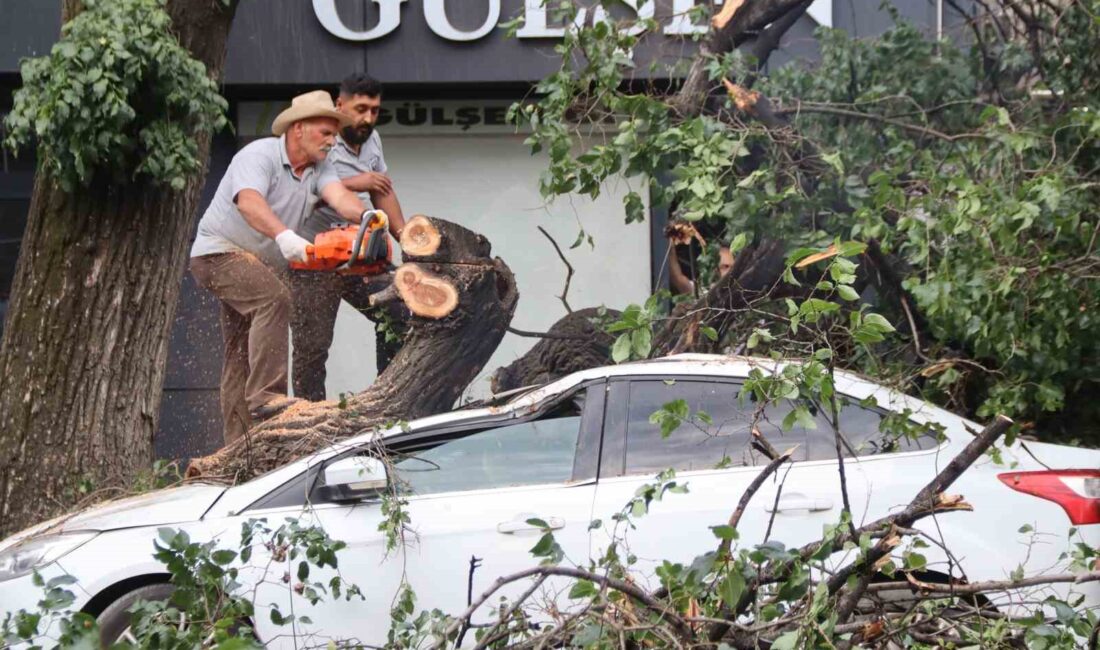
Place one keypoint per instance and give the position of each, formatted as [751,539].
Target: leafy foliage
[118,94]
[214,591]
[970,169]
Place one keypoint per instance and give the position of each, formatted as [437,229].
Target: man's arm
[369,182]
[388,203]
[258,214]
[343,201]
[678,280]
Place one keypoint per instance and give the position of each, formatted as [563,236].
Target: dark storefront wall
[278,48]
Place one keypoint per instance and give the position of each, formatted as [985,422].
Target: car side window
[526,453]
[692,446]
[723,437]
[864,432]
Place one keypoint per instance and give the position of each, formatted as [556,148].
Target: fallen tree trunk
[460,311]
[576,342]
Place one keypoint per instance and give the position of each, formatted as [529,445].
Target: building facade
[450,73]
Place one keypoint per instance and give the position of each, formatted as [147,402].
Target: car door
[714,457]
[469,494]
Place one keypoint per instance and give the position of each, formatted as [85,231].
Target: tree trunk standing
[93,300]
[461,302]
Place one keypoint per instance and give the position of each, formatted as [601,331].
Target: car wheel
[114,622]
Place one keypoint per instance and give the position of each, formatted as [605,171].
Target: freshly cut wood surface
[419,237]
[425,294]
[427,239]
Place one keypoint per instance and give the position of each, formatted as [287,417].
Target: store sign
[446,117]
[537,22]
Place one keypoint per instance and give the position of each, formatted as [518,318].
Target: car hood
[171,506]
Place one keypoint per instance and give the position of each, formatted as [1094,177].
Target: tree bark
[576,342]
[83,354]
[442,354]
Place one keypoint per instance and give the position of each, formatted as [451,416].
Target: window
[864,432]
[528,453]
[692,446]
[725,440]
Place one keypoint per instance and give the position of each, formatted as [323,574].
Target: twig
[927,501]
[735,518]
[775,504]
[568,267]
[604,581]
[761,444]
[511,610]
[801,107]
[913,328]
[546,335]
[988,586]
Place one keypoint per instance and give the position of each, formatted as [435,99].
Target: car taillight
[1076,490]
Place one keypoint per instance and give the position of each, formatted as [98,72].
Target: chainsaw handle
[364,228]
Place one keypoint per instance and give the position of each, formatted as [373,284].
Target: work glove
[292,246]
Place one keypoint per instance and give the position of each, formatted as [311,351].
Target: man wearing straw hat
[247,236]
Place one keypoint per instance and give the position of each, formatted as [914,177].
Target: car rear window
[723,437]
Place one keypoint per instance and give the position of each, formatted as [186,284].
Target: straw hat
[317,103]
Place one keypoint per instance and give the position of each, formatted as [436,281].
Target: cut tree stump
[431,240]
[460,308]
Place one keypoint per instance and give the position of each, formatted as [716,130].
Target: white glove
[292,246]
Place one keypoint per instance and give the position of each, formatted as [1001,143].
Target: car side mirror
[353,478]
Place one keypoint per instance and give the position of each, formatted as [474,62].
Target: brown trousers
[317,297]
[255,314]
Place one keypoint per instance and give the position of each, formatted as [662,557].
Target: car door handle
[812,504]
[519,524]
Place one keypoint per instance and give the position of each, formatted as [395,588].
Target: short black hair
[360,83]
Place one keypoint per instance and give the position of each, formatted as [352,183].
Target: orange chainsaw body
[332,250]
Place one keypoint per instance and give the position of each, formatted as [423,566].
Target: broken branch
[568,268]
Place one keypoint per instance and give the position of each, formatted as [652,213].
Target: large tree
[968,166]
[121,111]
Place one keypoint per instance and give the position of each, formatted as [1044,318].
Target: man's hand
[369,182]
[680,233]
[292,246]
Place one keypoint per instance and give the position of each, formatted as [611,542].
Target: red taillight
[1076,490]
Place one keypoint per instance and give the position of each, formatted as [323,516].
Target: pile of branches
[771,597]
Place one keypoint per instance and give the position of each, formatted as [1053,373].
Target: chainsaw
[351,250]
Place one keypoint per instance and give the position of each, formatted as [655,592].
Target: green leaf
[620,351]
[846,292]
[60,581]
[878,321]
[642,342]
[732,587]
[223,557]
[583,589]
[786,641]
[724,532]
[709,332]
[739,242]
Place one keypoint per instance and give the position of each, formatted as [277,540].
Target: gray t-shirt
[262,166]
[347,164]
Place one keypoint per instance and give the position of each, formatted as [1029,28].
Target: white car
[568,453]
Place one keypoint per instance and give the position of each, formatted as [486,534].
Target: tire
[115,620]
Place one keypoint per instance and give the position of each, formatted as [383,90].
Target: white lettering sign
[389,18]
[435,12]
[536,22]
